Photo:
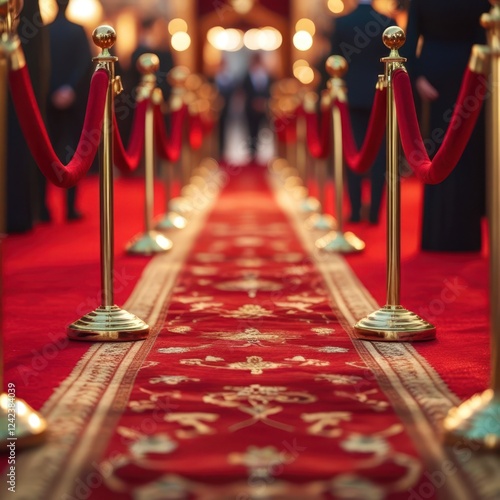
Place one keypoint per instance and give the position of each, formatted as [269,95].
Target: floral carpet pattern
[250,385]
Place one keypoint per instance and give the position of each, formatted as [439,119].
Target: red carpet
[249,385]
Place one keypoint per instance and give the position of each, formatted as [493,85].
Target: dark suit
[453,208]
[71,65]
[24,179]
[358,38]
[257,93]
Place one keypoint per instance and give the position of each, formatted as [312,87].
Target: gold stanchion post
[169,219]
[320,221]
[393,322]
[338,240]
[477,420]
[178,78]
[297,151]
[20,425]
[107,323]
[150,242]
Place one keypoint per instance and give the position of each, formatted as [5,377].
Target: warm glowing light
[336,6]
[21,408]
[299,62]
[86,12]
[48,10]
[225,39]
[242,6]
[126,22]
[302,40]
[213,34]
[212,57]
[270,39]
[303,72]
[251,39]
[180,41]
[176,25]
[305,24]
[34,421]
[267,38]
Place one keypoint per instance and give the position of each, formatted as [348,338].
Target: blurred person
[256,85]
[356,39]
[153,39]
[71,66]
[24,181]
[225,83]
[454,208]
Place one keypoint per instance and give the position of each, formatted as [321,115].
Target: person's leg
[359,122]
[354,182]
[72,212]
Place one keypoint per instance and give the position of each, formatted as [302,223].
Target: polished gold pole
[291,104]
[338,240]
[320,221]
[476,422]
[20,425]
[176,208]
[150,242]
[178,78]
[301,144]
[107,323]
[393,322]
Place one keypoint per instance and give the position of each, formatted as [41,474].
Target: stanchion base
[180,206]
[309,205]
[149,243]
[108,324]
[394,324]
[171,220]
[337,241]
[320,222]
[475,423]
[30,428]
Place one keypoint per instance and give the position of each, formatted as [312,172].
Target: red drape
[195,131]
[360,161]
[472,93]
[319,135]
[290,122]
[128,159]
[280,128]
[36,135]
[207,123]
[169,148]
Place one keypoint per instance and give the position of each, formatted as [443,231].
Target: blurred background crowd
[243,46]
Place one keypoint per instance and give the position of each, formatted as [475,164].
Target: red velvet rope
[128,159]
[195,131]
[207,123]
[319,135]
[280,128]
[465,114]
[36,135]
[285,126]
[169,148]
[290,122]
[360,161]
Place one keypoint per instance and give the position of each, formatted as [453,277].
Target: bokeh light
[176,25]
[180,41]
[302,40]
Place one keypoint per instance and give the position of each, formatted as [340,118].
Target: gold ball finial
[104,37]
[394,37]
[177,76]
[4,8]
[148,63]
[336,66]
